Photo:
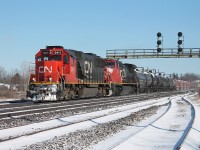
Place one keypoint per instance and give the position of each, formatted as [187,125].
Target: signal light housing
[159,42]
[159,34]
[158,50]
[180,49]
[180,34]
[180,42]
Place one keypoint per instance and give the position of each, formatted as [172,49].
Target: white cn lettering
[43,69]
[122,73]
[88,66]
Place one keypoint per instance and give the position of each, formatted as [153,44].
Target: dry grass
[7,94]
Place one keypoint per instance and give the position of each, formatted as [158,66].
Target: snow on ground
[6,101]
[163,134]
[42,136]
[4,85]
[192,141]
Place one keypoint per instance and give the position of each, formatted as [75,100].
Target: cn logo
[122,73]
[43,69]
[88,67]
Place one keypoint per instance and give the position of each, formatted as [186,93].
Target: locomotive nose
[48,72]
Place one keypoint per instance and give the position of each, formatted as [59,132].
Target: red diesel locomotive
[69,74]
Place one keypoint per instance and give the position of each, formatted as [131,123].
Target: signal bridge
[153,53]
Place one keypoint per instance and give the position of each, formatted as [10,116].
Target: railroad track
[161,133]
[22,109]
[72,126]
[73,123]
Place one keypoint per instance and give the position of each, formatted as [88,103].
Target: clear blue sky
[98,25]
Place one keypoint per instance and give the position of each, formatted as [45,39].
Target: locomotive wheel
[72,94]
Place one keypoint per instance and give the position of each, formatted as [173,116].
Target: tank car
[160,86]
[144,80]
[154,81]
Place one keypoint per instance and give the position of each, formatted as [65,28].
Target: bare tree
[24,73]
[11,78]
[2,75]
[190,77]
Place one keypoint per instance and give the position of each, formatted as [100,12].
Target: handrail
[152,53]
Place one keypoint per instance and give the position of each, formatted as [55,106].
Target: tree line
[18,79]
[187,76]
[14,80]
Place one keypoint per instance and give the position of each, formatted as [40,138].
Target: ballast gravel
[34,118]
[45,116]
[83,139]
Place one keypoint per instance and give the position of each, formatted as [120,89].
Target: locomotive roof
[77,54]
[130,65]
[71,52]
[51,47]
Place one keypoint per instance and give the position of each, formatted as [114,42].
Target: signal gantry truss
[153,53]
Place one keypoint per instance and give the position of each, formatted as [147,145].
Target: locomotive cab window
[39,59]
[57,57]
[47,58]
[66,59]
[110,64]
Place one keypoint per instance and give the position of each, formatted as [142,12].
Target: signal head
[180,42]
[158,50]
[159,42]
[159,34]
[180,49]
[180,34]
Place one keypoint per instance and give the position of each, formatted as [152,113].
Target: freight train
[62,74]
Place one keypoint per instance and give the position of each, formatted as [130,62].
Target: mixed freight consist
[69,74]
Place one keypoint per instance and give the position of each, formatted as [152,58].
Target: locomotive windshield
[47,58]
[57,57]
[110,64]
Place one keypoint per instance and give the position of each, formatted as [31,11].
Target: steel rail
[125,139]
[59,107]
[189,126]
[79,121]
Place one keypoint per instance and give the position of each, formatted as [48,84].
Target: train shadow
[64,121]
[94,121]
[140,126]
[195,129]
[167,129]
